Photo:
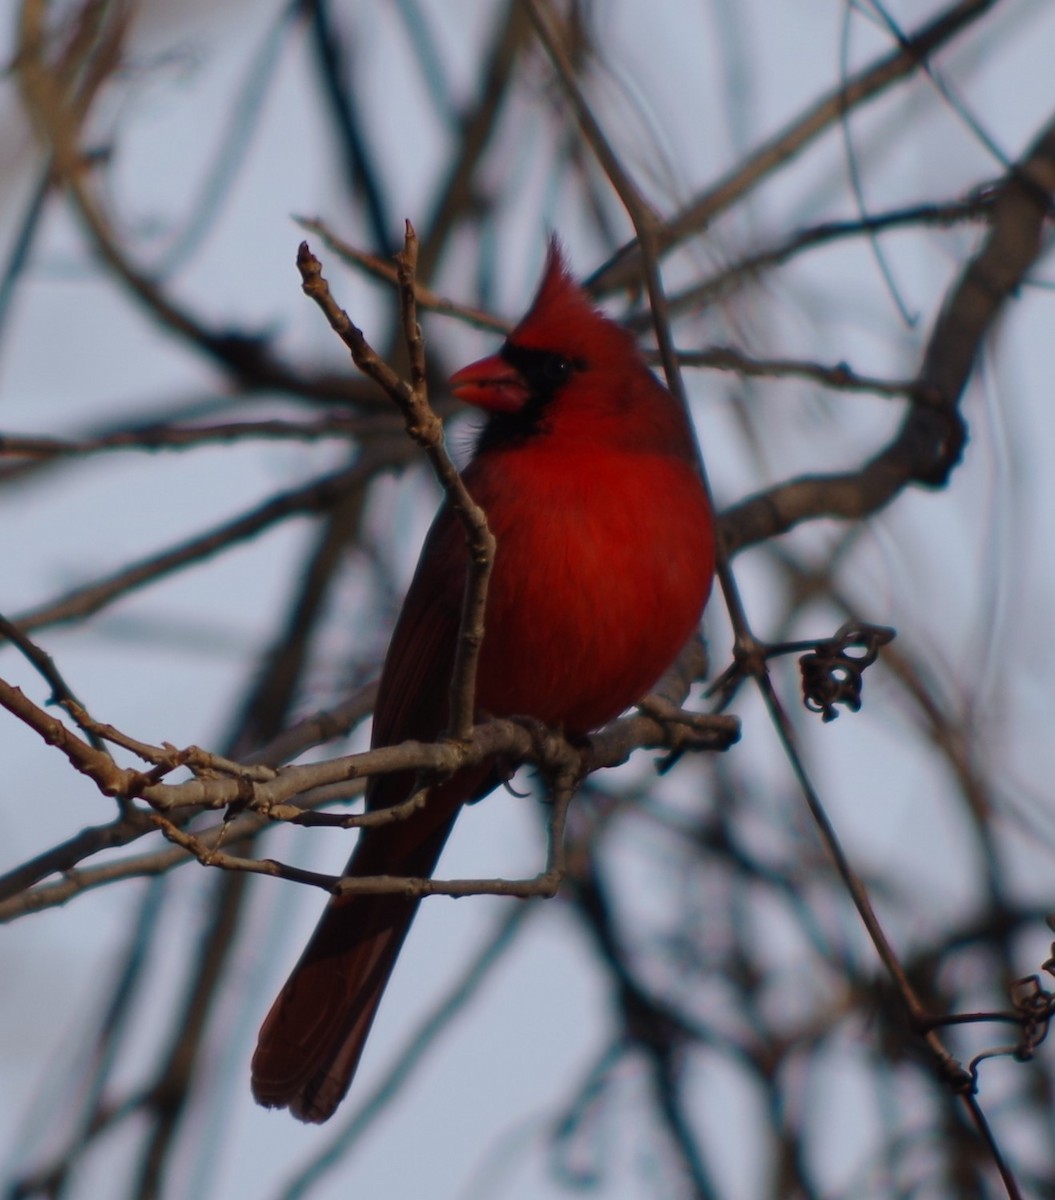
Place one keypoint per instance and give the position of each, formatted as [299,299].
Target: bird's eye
[556,368]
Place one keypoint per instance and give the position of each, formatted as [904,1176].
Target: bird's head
[565,357]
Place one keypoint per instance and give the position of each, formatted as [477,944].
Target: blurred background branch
[699,1013]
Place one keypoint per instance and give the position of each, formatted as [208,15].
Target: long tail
[311,1040]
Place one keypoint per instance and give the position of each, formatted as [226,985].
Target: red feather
[587,471]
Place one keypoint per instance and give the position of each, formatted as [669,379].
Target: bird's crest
[560,305]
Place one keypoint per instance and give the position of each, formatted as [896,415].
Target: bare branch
[928,445]
[315,497]
[180,437]
[380,269]
[797,134]
[426,430]
[840,377]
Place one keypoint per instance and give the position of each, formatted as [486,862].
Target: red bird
[587,470]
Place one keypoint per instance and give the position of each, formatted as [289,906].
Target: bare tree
[818,964]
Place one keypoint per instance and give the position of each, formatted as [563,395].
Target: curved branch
[930,441]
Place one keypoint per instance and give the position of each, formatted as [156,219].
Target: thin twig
[61,693]
[869,82]
[383,270]
[426,430]
[96,764]
[181,437]
[840,377]
[315,497]
[974,207]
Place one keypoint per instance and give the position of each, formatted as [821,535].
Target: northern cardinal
[587,470]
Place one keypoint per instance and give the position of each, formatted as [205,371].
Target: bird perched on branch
[588,472]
